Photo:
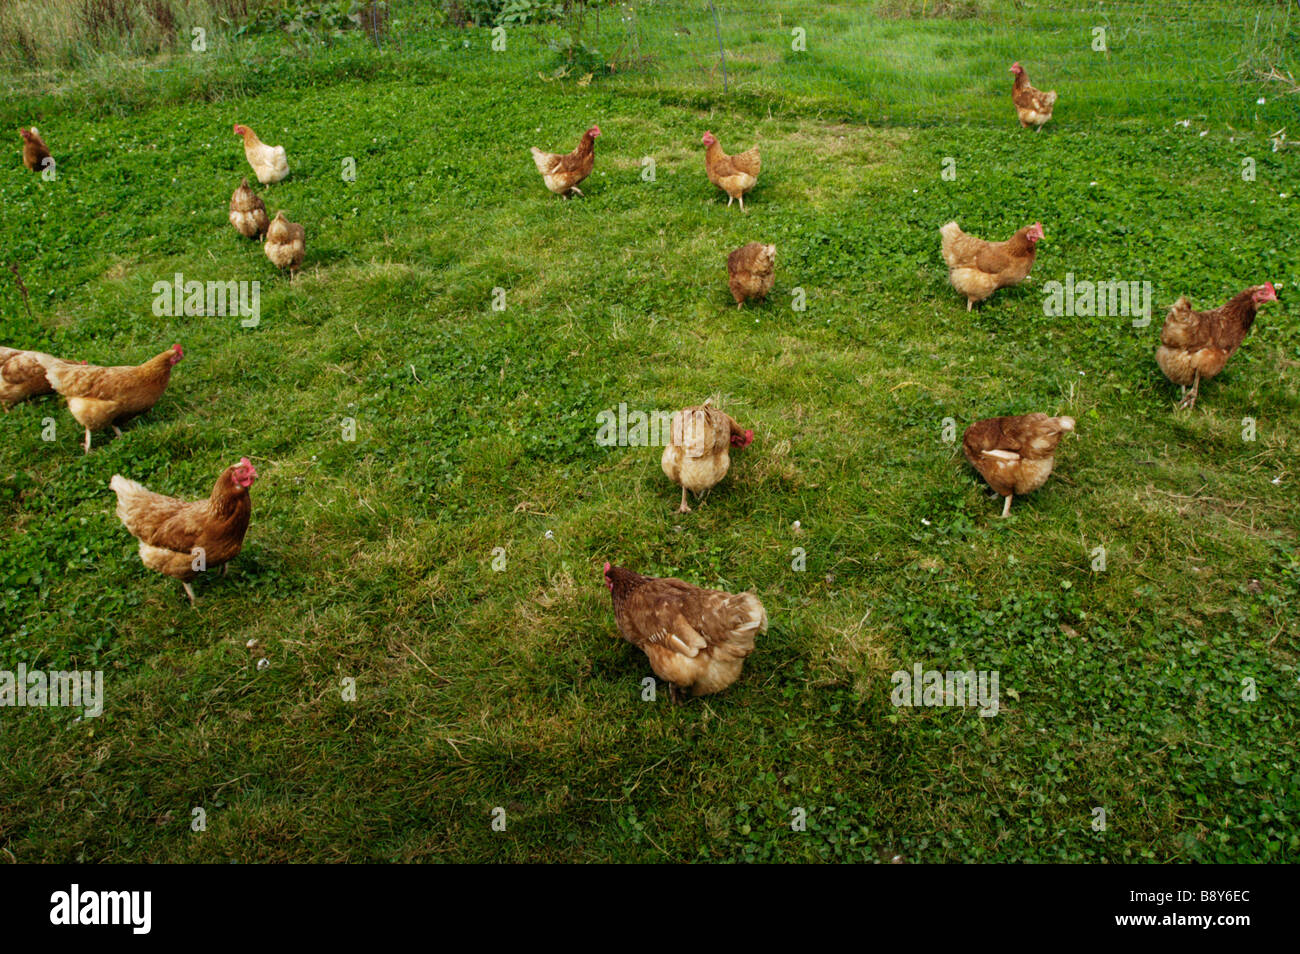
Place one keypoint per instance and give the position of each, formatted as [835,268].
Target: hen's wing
[155,519]
[546,162]
[961,250]
[1183,326]
[747,162]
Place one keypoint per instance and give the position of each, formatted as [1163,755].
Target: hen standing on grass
[698,454]
[977,268]
[1015,454]
[1195,345]
[270,163]
[183,539]
[286,244]
[734,175]
[751,271]
[34,151]
[1033,106]
[102,397]
[248,212]
[696,639]
[562,174]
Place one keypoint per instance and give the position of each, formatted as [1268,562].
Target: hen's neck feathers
[625,582]
[1022,80]
[1020,243]
[1242,308]
[159,366]
[226,500]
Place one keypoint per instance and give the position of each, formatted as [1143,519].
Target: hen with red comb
[563,173]
[181,539]
[107,397]
[698,454]
[1195,345]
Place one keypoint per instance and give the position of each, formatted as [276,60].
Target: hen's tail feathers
[543,160]
[129,494]
[748,162]
[951,234]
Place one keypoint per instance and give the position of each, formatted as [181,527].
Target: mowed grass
[475,429]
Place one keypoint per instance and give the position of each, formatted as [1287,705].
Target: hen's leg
[970,303]
[87,443]
[189,591]
[1006,507]
[1189,400]
[685,507]
[741,200]
[577,191]
[730,199]
[225,569]
[117,430]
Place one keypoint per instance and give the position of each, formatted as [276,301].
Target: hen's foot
[1006,507]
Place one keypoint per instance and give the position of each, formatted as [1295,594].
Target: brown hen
[103,397]
[248,212]
[563,173]
[696,639]
[1033,106]
[1015,454]
[751,271]
[977,268]
[1195,345]
[34,151]
[698,454]
[182,539]
[734,175]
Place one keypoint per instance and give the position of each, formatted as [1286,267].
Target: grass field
[1125,688]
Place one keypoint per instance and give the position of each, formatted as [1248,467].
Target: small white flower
[550,535]
[1277,481]
[263,665]
[1204,132]
[795,524]
[251,644]
[924,521]
[1261,101]
[1092,183]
